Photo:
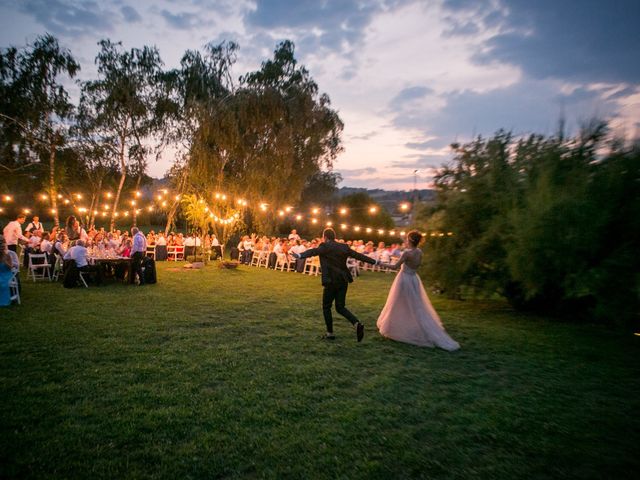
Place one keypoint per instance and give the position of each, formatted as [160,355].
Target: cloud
[364,136]
[531,106]
[184,20]
[358,172]
[70,18]
[410,94]
[584,41]
[130,14]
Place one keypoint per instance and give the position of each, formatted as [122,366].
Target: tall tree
[35,100]
[125,104]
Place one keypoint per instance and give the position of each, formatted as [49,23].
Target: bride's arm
[397,265]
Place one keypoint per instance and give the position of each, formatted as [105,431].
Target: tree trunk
[53,194]
[135,207]
[123,176]
[95,203]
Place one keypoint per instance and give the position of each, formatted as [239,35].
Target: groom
[335,279]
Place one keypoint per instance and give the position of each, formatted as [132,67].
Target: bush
[552,224]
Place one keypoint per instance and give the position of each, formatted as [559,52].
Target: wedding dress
[408,315]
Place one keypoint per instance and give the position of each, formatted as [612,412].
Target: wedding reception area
[319,240]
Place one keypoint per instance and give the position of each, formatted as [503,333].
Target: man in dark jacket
[335,279]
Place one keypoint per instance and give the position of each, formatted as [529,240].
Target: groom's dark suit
[335,277]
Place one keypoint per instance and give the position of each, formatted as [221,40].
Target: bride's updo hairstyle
[414,238]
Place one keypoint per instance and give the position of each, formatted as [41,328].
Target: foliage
[220,374]
[35,109]
[358,207]
[124,106]
[551,223]
[265,139]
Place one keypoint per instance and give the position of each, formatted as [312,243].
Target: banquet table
[113,263]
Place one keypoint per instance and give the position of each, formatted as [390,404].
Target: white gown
[408,315]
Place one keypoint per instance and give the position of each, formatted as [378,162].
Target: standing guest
[74,231]
[138,253]
[293,236]
[34,225]
[13,233]
[79,254]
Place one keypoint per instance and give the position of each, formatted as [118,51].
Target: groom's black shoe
[359,331]
[328,336]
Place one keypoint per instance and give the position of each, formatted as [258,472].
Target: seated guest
[161,247]
[33,246]
[79,254]
[46,246]
[161,239]
[125,249]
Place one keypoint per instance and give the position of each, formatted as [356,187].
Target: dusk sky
[408,77]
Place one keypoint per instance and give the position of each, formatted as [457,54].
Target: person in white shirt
[34,225]
[13,233]
[138,253]
[79,254]
[293,236]
[161,239]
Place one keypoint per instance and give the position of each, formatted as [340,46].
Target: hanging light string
[162,198]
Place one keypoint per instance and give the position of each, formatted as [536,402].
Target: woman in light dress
[408,315]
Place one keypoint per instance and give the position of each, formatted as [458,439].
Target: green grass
[220,374]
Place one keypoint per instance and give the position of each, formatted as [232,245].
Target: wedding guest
[33,246]
[9,264]
[138,253]
[13,233]
[293,236]
[34,225]
[79,254]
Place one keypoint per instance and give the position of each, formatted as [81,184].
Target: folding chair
[151,251]
[312,266]
[39,271]
[57,268]
[14,289]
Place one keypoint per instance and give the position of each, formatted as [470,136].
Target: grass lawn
[221,374]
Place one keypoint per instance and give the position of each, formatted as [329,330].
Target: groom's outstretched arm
[362,258]
[312,252]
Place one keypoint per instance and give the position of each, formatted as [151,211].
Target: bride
[408,315]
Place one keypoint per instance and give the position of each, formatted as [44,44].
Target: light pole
[415,195]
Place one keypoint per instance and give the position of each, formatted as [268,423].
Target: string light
[263,206]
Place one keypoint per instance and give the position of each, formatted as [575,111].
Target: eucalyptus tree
[125,105]
[35,106]
[268,136]
[194,91]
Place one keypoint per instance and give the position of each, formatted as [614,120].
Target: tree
[124,106]
[263,140]
[551,223]
[36,102]
[193,92]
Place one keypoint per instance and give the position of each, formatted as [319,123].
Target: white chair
[283,262]
[151,251]
[258,258]
[39,271]
[81,274]
[57,268]
[263,261]
[14,289]
[312,266]
[352,265]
